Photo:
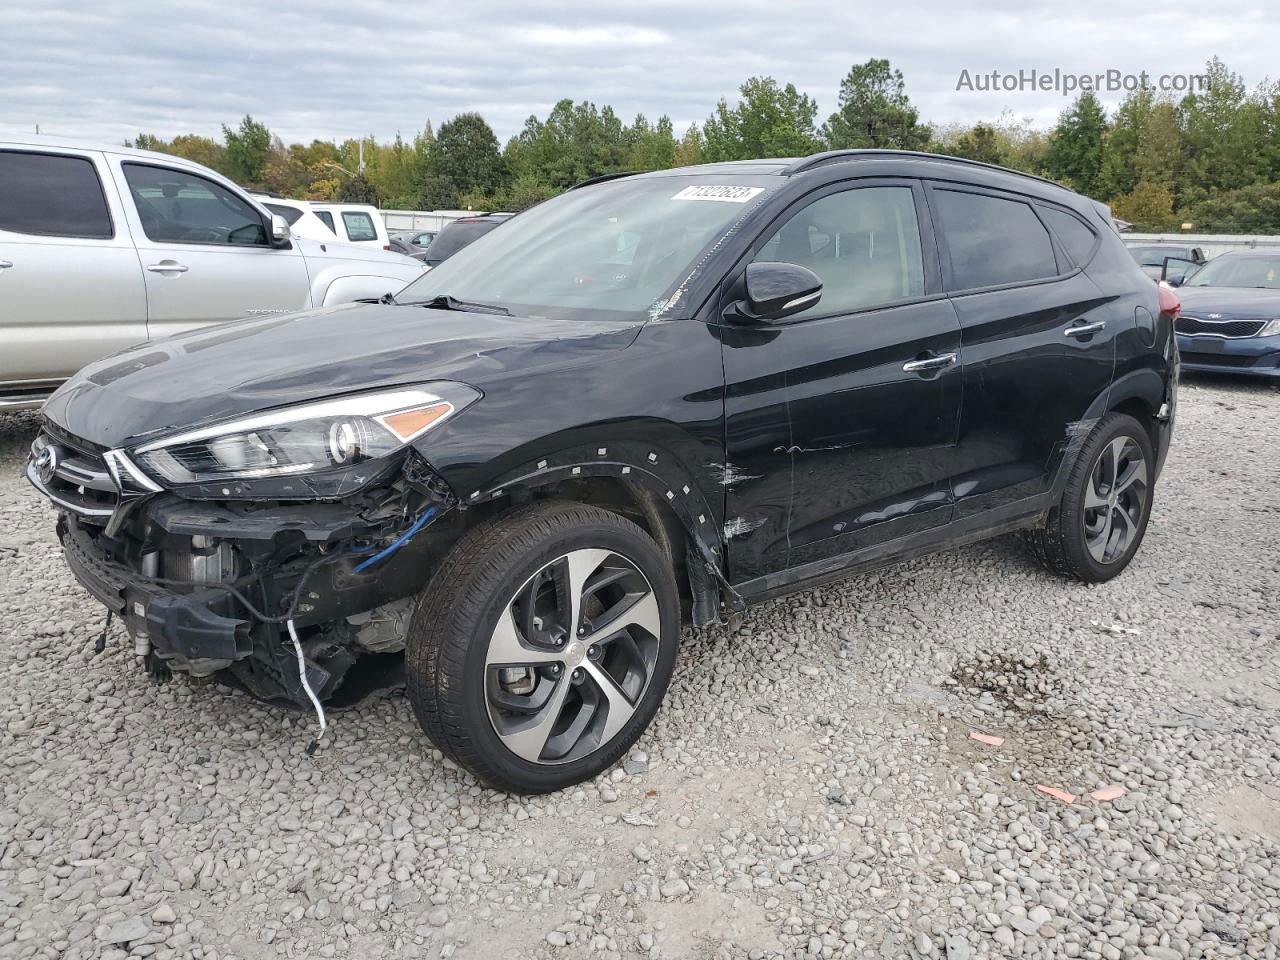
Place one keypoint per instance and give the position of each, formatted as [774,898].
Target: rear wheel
[1099,524]
[543,645]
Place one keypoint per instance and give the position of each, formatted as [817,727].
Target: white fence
[422,219]
[1212,243]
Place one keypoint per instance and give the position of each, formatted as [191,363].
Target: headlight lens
[1271,329]
[305,439]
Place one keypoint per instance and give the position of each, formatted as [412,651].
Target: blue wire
[400,542]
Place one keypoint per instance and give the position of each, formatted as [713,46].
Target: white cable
[302,676]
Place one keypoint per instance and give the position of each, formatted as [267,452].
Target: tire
[497,609]
[1068,544]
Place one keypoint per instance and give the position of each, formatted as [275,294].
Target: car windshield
[1239,272]
[617,248]
[1154,256]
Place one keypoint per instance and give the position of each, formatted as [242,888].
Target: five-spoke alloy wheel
[543,645]
[1100,521]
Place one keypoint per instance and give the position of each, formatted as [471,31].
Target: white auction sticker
[725,194]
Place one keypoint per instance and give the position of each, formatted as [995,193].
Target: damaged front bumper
[212,588]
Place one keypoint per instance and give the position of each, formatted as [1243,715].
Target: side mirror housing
[775,291]
[279,231]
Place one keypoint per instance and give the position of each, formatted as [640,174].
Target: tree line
[1211,158]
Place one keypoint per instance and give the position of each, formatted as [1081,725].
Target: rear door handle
[5,264]
[167,266]
[930,363]
[1085,329]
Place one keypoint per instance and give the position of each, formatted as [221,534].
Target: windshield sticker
[724,194]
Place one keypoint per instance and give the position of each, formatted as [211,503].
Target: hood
[1237,303]
[250,365]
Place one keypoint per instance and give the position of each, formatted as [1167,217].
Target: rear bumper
[1248,356]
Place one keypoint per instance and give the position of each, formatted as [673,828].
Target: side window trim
[125,163]
[933,288]
[1062,262]
[92,160]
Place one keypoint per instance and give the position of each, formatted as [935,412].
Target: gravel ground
[809,788]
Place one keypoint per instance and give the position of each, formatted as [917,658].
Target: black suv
[648,402]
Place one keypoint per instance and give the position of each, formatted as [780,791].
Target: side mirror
[279,230]
[777,290]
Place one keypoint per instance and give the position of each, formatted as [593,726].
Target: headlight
[306,439]
[1271,329]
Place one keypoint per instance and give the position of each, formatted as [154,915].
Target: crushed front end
[220,581]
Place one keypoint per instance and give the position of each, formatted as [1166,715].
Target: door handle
[1085,329]
[930,363]
[5,264]
[167,266]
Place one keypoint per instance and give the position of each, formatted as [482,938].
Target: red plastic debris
[989,740]
[1106,794]
[1056,793]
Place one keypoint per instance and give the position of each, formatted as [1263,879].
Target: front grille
[1227,329]
[79,479]
[1218,359]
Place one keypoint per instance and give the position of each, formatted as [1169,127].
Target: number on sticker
[725,194]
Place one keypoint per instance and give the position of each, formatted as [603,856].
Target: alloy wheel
[1115,500]
[571,656]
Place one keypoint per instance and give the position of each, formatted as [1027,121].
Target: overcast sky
[107,69]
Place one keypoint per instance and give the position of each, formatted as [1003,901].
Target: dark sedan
[1230,319]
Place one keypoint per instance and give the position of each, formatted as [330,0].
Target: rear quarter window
[359,226]
[993,240]
[1076,238]
[52,195]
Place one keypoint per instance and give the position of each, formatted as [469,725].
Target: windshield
[1154,256]
[618,247]
[1239,272]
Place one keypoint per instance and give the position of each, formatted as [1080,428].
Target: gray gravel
[809,789]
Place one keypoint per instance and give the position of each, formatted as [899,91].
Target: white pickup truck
[104,247]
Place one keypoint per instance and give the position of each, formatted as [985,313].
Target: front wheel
[543,645]
[1099,524]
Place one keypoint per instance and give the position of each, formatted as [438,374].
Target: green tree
[357,189]
[436,193]
[246,152]
[875,111]
[1149,207]
[767,121]
[1075,146]
[982,143]
[466,153]
[689,149]
[575,142]
[1226,131]
[1251,209]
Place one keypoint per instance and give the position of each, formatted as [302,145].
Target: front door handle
[1085,329]
[167,266]
[5,264]
[930,363]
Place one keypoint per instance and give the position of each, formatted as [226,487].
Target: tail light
[1170,305]
[386,246]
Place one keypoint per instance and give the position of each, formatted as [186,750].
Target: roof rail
[606,177]
[836,156]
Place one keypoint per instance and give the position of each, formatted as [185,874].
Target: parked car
[104,247]
[461,233]
[298,214]
[354,223]
[1151,257]
[1230,320]
[646,402]
[419,238]
[400,245]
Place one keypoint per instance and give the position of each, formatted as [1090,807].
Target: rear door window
[993,240]
[179,207]
[52,195]
[327,219]
[359,226]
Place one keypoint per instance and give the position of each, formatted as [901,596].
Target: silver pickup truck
[104,247]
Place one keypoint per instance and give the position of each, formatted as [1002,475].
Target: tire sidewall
[632,544]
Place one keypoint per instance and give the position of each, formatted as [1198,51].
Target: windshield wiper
[446,302]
